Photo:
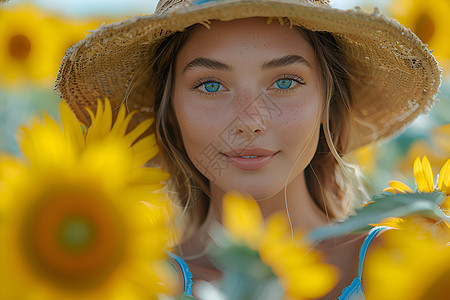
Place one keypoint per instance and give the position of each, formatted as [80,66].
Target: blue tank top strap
[187,275]
[355,290]
[362,252]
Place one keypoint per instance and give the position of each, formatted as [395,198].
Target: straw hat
[394,77]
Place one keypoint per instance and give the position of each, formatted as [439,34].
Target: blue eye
[284,83]
[211,87]
[287,83]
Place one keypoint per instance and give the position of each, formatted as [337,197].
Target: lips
[249,152]
[250,158]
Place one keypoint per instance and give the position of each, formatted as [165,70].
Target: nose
[251,115]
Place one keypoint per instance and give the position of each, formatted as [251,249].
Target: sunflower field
[82,216]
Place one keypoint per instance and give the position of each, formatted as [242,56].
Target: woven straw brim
[394,78]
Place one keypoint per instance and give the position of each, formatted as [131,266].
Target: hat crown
[170,5]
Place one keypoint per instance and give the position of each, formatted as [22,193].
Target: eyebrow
[285,61]
[274,63]
[207,63]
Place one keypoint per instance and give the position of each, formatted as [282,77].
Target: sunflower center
[75,240]
[76,234]
[424,28]
[19,47]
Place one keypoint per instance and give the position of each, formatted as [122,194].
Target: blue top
[187,275]
[353,292]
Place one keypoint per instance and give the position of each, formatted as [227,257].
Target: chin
[258,190]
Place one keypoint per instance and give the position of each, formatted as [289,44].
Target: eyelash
[202,81]
[295,78]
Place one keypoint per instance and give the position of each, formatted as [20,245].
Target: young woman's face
[248,97]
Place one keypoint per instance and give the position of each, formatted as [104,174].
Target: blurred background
[34,35]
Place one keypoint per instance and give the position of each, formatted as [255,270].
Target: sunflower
[80,216]
[70,31]
[424,178]
[420,147]
[444,184]
[298,268]
[436,146]
[365,157]
[441,138]
[429,21]
[409,265]
[28,47]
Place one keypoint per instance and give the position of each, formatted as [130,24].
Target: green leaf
[385,206]
[238,286]
[240,259]
[231,257]
[246,276]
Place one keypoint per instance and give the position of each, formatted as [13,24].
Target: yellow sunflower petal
[243,219]
[428,174]
[121,123]
[444,178]
[423,175]
[390,190]
[446,205]
[44,143]
[139,130]
[107,120]
[398,185]
[317,280]
[144,150]
[391,222]
[148,175]
[292,259]
[72,128]
[277,233]
[99,124]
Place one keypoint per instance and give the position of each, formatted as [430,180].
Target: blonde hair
[333,184]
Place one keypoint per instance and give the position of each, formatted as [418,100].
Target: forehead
[247,37]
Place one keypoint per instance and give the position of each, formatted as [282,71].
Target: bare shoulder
[343,253]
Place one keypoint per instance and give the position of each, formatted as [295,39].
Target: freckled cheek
[298,122]
[199,127]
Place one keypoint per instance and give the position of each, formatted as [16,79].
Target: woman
[262,97]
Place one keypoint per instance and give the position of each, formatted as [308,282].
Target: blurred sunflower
[70,31]
[436,147]
[428,21]
[409,265]
[28,47]
[80,215]
[365,157]
[441,138]
[298,268]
